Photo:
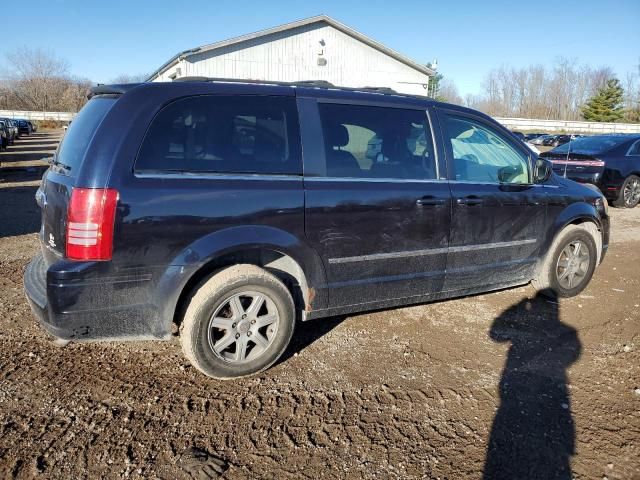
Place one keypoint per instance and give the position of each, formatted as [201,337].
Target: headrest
[337,135]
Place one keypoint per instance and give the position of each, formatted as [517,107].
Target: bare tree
[538,92]
[448,92]
[130,78]
[36,79]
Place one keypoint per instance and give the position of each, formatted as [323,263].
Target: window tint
[76,140]
[224,134]
[635,149]
[377,142]
[481,154]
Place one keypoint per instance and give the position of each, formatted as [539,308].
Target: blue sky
[467,37]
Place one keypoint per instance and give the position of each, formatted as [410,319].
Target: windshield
[76,141]
[591,145]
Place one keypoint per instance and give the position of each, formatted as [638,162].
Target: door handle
[430,201]
[469,201]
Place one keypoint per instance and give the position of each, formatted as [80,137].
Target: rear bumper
[72,307]
[611,190]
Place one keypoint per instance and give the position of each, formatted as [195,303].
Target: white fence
[30,115]
[526,124]
[570,126]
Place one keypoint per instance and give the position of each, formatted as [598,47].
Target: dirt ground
[502,384]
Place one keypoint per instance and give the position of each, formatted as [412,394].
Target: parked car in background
[4,135]
[24,127]
[531,136]
[610,162]
[34,125]
[13,127]
[227,211]
[540,140]
[521,137]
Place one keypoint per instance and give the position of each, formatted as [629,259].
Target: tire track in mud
[256,430]
[133,410]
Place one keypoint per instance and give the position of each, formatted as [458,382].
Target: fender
[236,239]
[575,213]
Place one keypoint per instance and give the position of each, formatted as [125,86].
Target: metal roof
[289,26]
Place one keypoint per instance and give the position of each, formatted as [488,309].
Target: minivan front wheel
[570,263]
[238,322]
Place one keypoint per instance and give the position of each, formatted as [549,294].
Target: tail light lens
[90,218]
[577,161]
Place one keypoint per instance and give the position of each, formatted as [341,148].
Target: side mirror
[542,171]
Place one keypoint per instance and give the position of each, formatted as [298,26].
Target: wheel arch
[280,252]
[278,263]
[577,214]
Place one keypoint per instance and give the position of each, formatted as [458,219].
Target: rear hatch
[59,180]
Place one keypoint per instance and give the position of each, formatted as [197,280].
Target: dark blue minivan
[226,211]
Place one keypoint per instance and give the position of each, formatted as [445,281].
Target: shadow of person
[533,434]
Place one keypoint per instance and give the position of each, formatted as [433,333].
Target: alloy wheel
[243,327]
[573,264]
[632,192]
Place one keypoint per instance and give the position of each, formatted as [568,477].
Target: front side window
[224,134]
[481,154]
[377,142]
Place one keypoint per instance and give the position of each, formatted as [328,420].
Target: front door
[377,205]
[498,213]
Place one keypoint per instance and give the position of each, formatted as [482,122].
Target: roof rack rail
[301,83]
[104,89]
[298,83]
[379,89]
[314,83]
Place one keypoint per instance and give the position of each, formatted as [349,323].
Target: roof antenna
[566,163]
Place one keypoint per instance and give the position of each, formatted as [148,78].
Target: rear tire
[569,264]
[237,323]
[629,195]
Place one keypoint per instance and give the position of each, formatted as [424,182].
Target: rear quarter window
[224,134]
[76,140]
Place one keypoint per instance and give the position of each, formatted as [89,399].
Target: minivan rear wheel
[570,264]
[238,322]
[629,195]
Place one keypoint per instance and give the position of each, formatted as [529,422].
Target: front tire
[237,323]
[629,195]
[569,265]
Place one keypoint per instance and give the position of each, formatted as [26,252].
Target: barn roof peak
[290,26]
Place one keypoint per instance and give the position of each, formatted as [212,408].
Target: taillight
[576,161]
[90,218]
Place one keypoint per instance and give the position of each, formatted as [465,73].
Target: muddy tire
[629,196]
[238,322]
[570,263]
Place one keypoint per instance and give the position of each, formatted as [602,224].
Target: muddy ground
[403,393]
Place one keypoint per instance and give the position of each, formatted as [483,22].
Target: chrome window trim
[373,180]
[218,176]
[431,251]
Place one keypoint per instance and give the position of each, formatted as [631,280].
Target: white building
[316,48]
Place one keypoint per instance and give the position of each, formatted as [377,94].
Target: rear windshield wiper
[56,163]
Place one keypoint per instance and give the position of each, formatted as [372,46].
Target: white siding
[293,55]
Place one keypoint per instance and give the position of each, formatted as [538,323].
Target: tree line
[564,91]
[35,79]
[38,80]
